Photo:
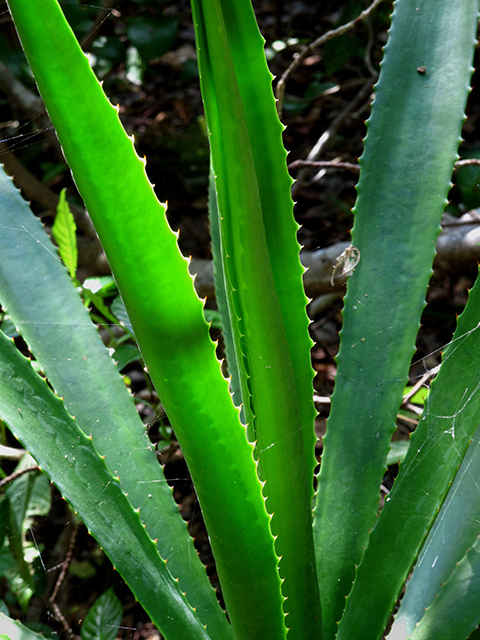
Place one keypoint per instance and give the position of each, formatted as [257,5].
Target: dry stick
[458,243]
[411,422]
[60,579]
[328,135]
[103,15]
[355,167]
[60,617]
[469,218]
[419,384]
[9,453]
[324,164]
[17,474]
[467,162]
[66,563]
[411,407]
[368,51]
[299,57]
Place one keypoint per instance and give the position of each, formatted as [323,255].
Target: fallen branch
[458,246]
[355,167]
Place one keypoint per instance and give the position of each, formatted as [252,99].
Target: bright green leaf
[63,231]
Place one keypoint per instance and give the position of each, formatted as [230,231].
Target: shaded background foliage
[144,52]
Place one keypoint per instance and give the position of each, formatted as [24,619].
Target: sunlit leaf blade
[63,231]
[221,292]
[410,148]
[264,286]
[454,613]
[455,529]
[64,452]
[437,448]
[167,318]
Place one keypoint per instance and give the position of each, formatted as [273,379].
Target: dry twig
[328,135]
[17,474]
[307,49]
[66,563]
[355,167]
[68,558]
[467,162]
[324,164]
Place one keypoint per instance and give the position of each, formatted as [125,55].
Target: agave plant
[290,563]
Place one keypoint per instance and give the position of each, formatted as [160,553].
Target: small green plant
[285,571]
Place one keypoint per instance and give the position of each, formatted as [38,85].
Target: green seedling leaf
[221,295]
[264,293]
[441,448]
[97,300]
[102,285]
[103,619]
[63,231]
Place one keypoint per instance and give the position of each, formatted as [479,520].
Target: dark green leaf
[118,309]
[103,619]
[125,354]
